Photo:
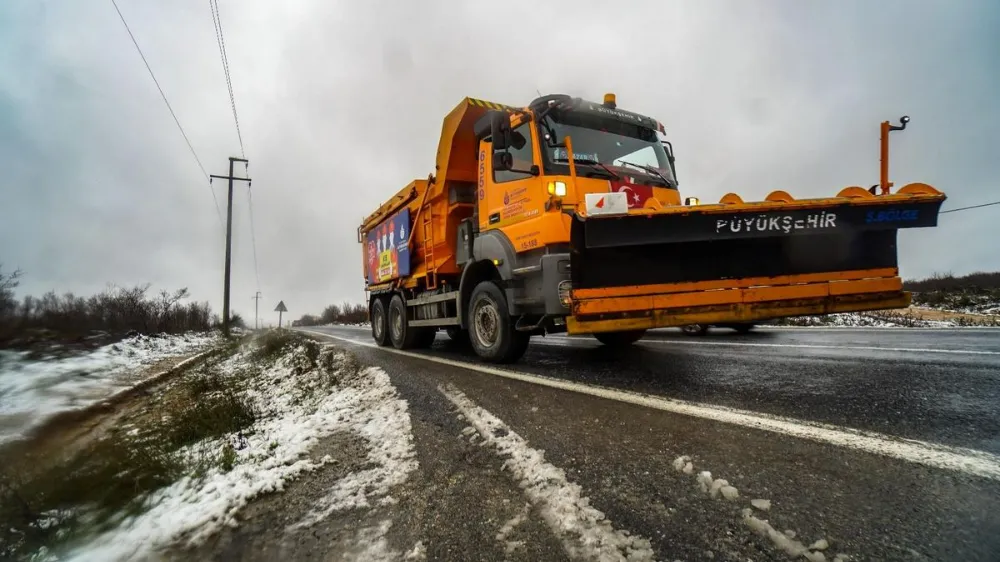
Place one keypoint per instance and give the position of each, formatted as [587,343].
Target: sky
[340,104]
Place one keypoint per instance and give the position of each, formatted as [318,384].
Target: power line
[970,207]
[172,114]
[253,238]
[221,39]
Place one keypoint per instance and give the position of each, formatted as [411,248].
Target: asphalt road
[885,443]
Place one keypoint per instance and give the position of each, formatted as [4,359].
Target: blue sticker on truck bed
[387,254]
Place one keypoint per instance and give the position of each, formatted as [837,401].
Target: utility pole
[257,298]
[229,239]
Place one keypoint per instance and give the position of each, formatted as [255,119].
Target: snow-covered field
[869,320]
[301,400]
[886,319]
[32,390]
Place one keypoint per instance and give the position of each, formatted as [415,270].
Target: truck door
[510,196]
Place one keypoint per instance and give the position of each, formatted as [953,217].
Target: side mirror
[500,130]
[502,160]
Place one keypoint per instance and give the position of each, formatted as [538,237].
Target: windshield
[600,141]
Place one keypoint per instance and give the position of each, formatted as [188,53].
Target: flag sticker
[615,203]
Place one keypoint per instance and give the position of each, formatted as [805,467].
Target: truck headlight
[564,288]
[557,188]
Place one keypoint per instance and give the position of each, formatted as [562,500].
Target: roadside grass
[48,502]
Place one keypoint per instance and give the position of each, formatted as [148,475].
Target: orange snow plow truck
[565,216]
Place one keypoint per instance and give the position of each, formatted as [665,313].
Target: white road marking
[585,532]
[960,459]
[785,345]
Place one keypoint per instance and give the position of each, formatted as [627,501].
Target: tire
[491,329]
[743,328]
[402,335]
[458,336]
[620,339]
[379,321]
[425,338]
[695,329]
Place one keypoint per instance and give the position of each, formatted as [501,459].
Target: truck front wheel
[491,329]
[620,339]
[378,319]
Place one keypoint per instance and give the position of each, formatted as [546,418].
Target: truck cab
[535,170]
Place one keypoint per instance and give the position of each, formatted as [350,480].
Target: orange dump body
[435,207]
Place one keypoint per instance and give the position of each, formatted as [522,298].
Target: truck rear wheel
[378,319]
[402,335]
[491,329]
[620,339]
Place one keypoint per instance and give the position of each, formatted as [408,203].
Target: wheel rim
[487,322]
[378,322]
[397,323]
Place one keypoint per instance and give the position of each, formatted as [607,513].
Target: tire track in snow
[784,542]
[585,532]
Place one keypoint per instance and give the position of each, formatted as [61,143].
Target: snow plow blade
[737,262]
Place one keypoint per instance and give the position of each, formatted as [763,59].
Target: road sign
[279,309]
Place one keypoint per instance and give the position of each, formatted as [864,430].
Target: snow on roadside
[32,390]
[298,408]
[380,418]
[584,531]
[859,320]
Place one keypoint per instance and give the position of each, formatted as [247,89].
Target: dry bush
[114,311]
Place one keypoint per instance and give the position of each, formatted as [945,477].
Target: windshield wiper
[651,170]
[591,163]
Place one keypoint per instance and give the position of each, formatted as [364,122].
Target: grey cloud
[341,104]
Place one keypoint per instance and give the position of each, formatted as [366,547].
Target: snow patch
[680,461]
[705,480]
[418,552]
[585,532]
[821,544]
[784,543]
[509,526]
[298,408]
[683,464]
[36,389]
[381,418]
[714,487]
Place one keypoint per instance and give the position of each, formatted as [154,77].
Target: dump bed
[410,240]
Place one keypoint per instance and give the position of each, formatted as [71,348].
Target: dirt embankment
[84,456]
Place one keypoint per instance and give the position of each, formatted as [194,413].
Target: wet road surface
[934,386]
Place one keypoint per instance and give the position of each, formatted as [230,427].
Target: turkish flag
[635,193]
